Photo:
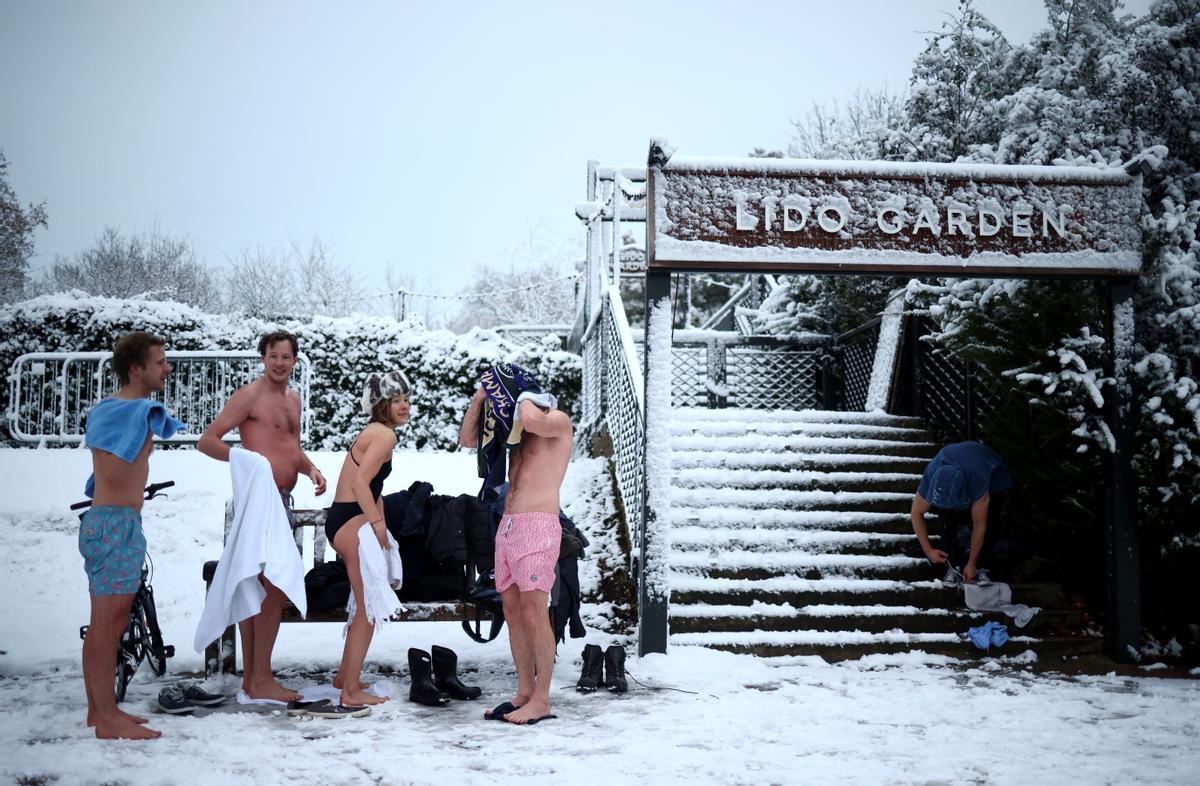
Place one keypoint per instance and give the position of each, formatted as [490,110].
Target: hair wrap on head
[380,386]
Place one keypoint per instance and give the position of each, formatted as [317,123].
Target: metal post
[715,373]
[916,330]
[591,293]
[1123,570]
[969,405]
[825,370]
[617,201]
[653,601]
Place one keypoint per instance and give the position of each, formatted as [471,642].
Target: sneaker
[952,578]
[171,700]
[301,707]
[336,711]
[197,695]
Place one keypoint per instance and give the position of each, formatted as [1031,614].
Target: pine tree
[953,80]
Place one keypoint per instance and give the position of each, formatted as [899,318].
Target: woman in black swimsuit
[356,502]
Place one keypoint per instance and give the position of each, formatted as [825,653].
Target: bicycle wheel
[156,653]
[126,666]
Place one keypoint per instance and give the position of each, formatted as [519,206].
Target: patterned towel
[505,385]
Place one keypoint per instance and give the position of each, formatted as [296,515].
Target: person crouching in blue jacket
[963,478]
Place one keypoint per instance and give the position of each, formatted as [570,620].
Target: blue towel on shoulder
[119,426]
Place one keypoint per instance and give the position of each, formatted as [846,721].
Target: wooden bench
[221,655]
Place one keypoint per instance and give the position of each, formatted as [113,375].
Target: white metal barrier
[50,393]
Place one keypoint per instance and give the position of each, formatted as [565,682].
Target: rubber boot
[614,669]
[593,669]
[445,675]
[423,690]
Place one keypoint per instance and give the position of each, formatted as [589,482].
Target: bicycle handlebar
[152,491]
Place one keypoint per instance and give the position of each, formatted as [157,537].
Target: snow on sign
[891,217]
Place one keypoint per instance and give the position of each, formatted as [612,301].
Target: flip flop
[296,708]
[500,710]
[532,721]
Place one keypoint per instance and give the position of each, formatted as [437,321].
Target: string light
[484,295]
[405,293]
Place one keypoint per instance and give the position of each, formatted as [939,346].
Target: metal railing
[612,397]
[50,393]
[853,360]
[759,372]
[949,393]
[533,332]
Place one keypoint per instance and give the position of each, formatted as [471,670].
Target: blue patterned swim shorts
[113,549]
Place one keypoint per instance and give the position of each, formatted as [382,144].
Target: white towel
[382,574]
[260,541]
[997,596]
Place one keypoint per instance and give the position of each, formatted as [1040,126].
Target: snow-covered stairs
[790,536]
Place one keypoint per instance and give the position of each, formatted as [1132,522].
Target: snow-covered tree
[152,266]
[17,225]
[1096,89]
[300,281]
[870,125]
[952,82]
[540,294]
[531,283]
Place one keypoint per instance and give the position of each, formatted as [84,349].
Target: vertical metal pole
[917,329]
[969,404]
[653,602]
[829,357]
[591,297]
[1123,569]
[715,373]
[617,200]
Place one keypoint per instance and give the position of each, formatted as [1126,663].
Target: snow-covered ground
[710,717]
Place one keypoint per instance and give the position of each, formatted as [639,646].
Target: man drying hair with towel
[516,416]
[120,432]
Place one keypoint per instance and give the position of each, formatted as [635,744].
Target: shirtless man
[266,414]
[119,433]
[527,545]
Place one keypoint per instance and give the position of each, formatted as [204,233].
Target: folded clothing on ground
[997,596]
[989,634]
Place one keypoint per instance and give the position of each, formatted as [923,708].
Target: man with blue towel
[963,478]
[120,433]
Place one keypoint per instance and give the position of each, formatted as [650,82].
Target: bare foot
[357,698]
[339,682]
[118,728]
[533,710]
[128,716]
[270,689]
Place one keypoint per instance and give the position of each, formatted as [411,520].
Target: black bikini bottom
[337,515]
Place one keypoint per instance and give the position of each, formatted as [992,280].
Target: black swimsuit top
[385,469]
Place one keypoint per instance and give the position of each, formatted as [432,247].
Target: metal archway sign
[915,219]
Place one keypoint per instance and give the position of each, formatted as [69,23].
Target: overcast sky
[433,137]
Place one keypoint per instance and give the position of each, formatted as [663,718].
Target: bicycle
[142,639]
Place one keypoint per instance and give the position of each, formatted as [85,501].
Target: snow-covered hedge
[441,365]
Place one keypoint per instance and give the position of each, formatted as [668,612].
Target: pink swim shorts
[527,551]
